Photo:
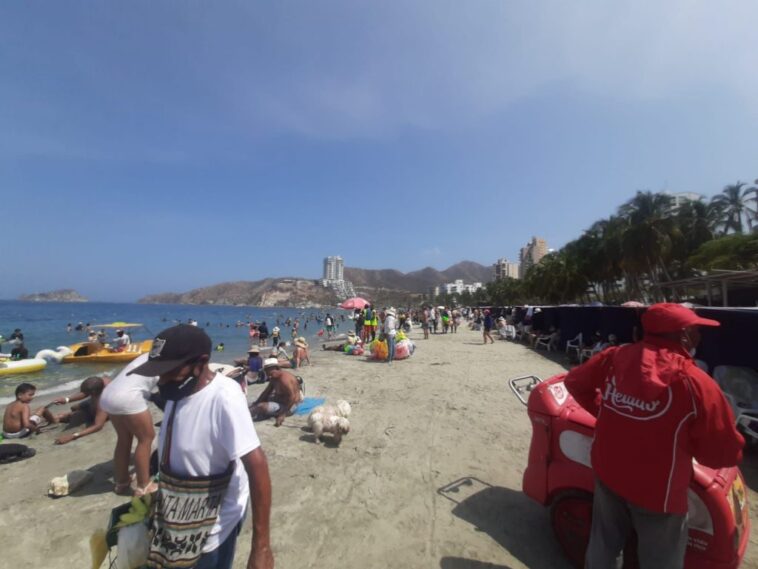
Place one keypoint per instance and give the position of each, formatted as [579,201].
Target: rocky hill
[384,287]
[418,281]
[266,292]
[63,295]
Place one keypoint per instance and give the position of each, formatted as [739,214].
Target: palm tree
[734,203]
[647,241]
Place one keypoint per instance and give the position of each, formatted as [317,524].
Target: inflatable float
[13,367]
[54,356]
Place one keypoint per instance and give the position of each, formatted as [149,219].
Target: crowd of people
[658,404]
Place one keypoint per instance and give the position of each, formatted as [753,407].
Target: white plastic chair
[575,344]
[548,341]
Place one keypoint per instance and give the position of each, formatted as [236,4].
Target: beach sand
[381,499]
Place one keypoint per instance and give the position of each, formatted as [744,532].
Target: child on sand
[19,421]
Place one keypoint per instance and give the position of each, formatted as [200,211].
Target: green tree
[735,203]
[731,252]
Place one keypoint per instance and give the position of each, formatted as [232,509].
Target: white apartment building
[334,268]
[456,287]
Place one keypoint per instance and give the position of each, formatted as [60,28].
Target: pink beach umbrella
[353,303]
[633,304]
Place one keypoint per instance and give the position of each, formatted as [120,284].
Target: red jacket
[656,410]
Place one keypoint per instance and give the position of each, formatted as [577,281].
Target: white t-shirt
[390,325]
[128,394]
[212,428]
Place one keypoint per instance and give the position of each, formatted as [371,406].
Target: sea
[44,327]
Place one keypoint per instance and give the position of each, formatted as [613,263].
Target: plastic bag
[379,350]
[401,351]
[133,546]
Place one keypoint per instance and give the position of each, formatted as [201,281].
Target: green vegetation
[644,244]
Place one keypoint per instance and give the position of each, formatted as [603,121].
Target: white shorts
[128,394]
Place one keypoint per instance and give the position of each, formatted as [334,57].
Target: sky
[162,146]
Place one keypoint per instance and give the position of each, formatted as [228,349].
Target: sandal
[151,488]
[124,488]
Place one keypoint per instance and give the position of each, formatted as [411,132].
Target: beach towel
[309,404]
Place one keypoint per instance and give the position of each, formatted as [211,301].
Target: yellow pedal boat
[97,352]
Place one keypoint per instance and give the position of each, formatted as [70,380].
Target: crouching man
[282,394]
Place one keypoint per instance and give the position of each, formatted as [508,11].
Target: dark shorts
[88,410]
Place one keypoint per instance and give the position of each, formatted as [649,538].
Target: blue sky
[162,146]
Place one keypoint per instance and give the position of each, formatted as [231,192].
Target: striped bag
[184,513]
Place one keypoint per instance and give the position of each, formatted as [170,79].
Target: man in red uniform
[656,411]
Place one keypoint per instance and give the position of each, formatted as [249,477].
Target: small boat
[12,367]
[98,352]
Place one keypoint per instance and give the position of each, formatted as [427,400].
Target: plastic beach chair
[740,387]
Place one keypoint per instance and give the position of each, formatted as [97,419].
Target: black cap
[174,347]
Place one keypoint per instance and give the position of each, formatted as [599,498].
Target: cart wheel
[571,518]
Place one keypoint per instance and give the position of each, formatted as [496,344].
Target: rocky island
[63,295]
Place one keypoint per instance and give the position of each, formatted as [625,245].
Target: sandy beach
[381,499]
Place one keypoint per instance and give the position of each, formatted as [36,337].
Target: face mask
[692,349]
[175,391]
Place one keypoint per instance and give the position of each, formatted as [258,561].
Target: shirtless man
[89,410]
[19,421]
[281,396]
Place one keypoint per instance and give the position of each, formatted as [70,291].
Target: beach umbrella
[355,302]
[632,304]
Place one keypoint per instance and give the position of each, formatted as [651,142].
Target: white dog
[330,419]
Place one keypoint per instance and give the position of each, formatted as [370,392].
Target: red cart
[559,475]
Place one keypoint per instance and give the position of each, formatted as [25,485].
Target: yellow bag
[379,350]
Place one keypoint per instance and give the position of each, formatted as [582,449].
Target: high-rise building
[531,254]
[504,268]
[334,269]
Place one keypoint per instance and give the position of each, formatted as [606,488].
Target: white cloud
[442,65]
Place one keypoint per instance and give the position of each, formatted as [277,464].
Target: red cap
[666,317]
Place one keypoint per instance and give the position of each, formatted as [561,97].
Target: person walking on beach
[657,411]
[263,334]
[209,452]
[487,326]
[368,317]
[390,330]
[329,323]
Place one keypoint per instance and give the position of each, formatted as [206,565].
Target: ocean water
[44,326]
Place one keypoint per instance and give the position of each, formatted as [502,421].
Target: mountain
[266,292]
[384,287]
[62,295]
[418,281]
